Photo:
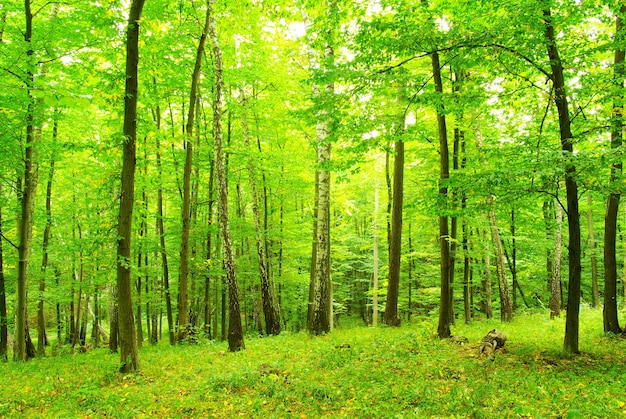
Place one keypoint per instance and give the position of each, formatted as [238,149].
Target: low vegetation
[352,372]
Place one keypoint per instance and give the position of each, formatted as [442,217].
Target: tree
[183,295]
[28,194]
[235,330]
[322,301]
[443,328]
[571,185]
[127,337]
[395,248]
[611,322]
[270,309]
[4,329]
[555,286]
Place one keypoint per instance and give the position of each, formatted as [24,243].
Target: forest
[197,171]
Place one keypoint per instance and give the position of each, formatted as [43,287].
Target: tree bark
[570,343]
[610,319]
[129,359]
[235,330]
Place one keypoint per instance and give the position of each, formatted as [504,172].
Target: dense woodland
[210,170]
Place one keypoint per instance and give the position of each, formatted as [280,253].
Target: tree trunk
[443,328]
[311,299]
[183,287]
[375,286]
[270,312]
[27,199]
[513,261]
[595,292]
[322,304]
[160,229]
[129,359]
[41,319]
[571,187]
[113,322]
[235,331]
[486,284]
[4,329]
[555,287]
[506,308]
[209,249]
[610,319]
[548,217]
[395,248]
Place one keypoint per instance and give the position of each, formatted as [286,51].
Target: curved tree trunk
[128,340]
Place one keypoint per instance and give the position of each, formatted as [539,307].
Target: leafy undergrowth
[353,372]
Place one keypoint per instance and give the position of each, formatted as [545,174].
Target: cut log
[494,340]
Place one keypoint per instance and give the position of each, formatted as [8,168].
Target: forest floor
[354,372]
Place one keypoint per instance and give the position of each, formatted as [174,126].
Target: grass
[353,373]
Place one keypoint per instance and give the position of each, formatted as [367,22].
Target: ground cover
[354,372]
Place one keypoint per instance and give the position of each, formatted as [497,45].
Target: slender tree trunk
[160,228]
[548,217]
[513,261]
[129,359]
[183,287]
[506,308]
[555,287]
[486,284]
[42,338]
[209,255]
[443,328]
[311,300]
[270,312]
[235,331]
[571,187]
[4,329]
[610,319]
[375,287]
[595,292]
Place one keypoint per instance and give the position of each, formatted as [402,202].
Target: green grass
[353,373]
